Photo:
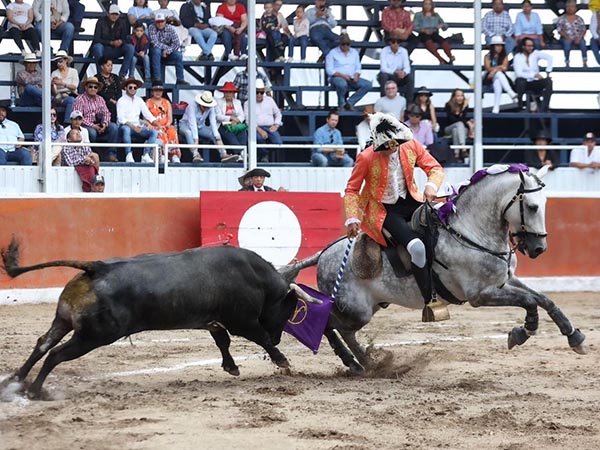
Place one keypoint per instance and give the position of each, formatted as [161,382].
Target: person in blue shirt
[329,134]
[343,67]
[528,24]
[11,132]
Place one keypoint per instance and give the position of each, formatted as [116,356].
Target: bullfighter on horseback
[390,194]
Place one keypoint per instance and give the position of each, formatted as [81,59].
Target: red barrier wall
[95,228]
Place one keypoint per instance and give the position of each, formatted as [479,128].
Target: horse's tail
[10,262]
[289,273]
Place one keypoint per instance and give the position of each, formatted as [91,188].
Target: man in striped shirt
[164,48]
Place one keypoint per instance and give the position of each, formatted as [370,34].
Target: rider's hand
[429,194]
[352,230]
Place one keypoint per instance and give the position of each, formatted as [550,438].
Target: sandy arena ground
[452,385]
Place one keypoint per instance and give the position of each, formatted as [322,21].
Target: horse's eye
[533,208]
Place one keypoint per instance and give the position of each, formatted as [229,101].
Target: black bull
[220,289]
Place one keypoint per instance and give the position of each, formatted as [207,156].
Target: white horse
[473,262]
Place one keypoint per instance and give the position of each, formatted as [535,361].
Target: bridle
[518,237]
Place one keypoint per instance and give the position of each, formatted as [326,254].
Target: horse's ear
[542,172]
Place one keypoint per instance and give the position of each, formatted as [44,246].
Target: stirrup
[435,311]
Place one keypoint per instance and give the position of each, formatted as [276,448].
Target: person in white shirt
[588,156]
[529,78]
[391,102]
[395,66]
[129,108]
[76,119]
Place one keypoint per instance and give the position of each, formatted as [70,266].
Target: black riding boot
[433,311]
[423,279]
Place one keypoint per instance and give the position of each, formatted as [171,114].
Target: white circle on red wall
[272,230]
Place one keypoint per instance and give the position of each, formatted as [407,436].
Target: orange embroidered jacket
[372,168]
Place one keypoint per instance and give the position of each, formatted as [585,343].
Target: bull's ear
[542,172]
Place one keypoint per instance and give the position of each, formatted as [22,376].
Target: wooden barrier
[99,228]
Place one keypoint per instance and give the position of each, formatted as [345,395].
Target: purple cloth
[308,321]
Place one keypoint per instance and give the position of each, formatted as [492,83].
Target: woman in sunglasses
[160,107]
[57,133]
[64,83]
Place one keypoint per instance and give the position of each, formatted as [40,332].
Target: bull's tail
[289,273]
[10,262]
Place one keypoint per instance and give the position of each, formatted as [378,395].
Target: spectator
[76,121]
[286,33]
[110,84]
[328,134]
[96,117]
[129,109]
[139,12]
[234,36]
[199,122]
[269,23]
[194,16]
[81,157]
[395,65]
[321,24]
[343,67]
[76,14]
[396,19]
[231,117]
[497,23]
[98,183]
[428,24]
[301,27]
[363,129]
[572,30]
[257,181]
[586,157]
[421,129]
[160,107]
[457,124]
[164,49]
[241,83]
[60,27]
[172,18]
[268,120]
[529,24]
[110,40]
[64,83]
[57,134]
[595,41]
[391,102]
[529,78]
[422,99]
[11,132]
[496,65]
[19,26]
[141,48]
[542,156]
[29,82]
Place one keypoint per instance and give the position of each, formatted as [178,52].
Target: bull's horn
[303,295]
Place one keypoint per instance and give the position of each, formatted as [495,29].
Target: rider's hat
[385,128]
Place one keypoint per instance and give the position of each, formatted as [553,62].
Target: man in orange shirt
[390,194]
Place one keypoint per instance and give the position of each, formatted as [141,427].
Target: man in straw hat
[390,194]
[96,118]
[29,82]
[131,128]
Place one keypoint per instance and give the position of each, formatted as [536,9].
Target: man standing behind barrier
[343,67]
[11,131]
[529,78]
[322,22]
[329,135]
[110,40]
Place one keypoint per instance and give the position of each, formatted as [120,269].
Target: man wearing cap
[129,109]
[394,65]
[29,82]
[327,137]
[194,16]
[529,77]
[76,119]
[60,28]
[343,67]
[96,117]
[257,181]
[588,156]
[321,23]
[390,194]
[542,156]
[199,122]
[11,132]
[164,49]
[497,22]
[268,120]
[110,40]
[391,102]
[98,183]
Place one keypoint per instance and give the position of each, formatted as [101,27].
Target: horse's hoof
[582,349]
[356,370]
[576,339]
[283,363]
[517,336]
[232,371]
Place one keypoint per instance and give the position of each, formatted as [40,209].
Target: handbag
[236,128]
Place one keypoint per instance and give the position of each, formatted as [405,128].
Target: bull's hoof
[577,342]
[232,371]
[517,336]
